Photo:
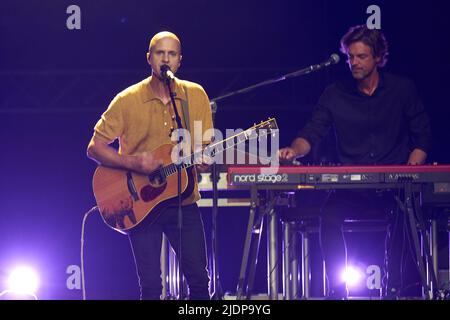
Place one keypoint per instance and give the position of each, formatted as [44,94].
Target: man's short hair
[372,38]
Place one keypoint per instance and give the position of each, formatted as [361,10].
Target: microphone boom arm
[315,67]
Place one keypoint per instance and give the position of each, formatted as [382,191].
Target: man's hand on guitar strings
[146,163]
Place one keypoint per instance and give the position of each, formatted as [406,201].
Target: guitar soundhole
[157,178]
[157,186]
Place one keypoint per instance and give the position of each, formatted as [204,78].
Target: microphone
[166,73]
[333,59]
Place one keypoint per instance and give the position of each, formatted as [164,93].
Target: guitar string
[172,168]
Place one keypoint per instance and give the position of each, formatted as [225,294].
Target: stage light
[352,276]
[22,281]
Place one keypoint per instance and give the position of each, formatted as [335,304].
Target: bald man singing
[143,118]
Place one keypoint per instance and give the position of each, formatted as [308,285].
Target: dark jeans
[146,240]
[360,204]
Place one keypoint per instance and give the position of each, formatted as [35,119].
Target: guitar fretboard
[212,150]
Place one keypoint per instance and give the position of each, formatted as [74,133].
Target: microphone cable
[83,287]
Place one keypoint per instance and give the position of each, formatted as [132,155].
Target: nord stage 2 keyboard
[338,175]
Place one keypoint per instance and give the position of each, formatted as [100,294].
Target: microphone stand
[180,212]
[218,291]
[312,68]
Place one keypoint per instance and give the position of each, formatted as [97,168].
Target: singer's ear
[148,57]
[378,60]
[179,62]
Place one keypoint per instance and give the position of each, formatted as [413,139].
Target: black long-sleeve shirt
[379,129]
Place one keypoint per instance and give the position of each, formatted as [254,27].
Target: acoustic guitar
[126,198]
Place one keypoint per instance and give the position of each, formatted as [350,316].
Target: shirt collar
[148,93]
[350,85]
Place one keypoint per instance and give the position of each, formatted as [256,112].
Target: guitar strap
[185,108]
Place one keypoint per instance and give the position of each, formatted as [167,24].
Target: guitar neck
[212,150]
[215,148]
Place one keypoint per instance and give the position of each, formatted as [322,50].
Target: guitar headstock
[263,128]
[269,124]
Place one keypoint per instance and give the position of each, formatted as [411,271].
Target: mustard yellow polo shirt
[142,122]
